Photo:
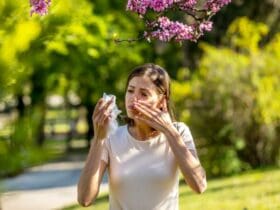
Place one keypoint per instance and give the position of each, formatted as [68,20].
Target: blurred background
[226,88]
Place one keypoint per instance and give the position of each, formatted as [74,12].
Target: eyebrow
[131,86]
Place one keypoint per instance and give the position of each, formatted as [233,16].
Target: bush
[21,150]
[234,101]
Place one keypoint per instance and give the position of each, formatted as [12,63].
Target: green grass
[255,190]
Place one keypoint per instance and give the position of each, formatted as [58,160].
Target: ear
[162,105]
[165,104]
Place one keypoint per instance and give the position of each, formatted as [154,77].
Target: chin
[131,113]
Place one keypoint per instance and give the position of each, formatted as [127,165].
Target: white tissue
[113,123]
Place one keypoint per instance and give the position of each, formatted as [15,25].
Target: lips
[131,107]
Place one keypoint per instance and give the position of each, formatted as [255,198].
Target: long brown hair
[160,79]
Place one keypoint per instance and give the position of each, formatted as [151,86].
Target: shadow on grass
[272,193]
[100,199]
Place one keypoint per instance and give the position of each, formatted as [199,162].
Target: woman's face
[140,88]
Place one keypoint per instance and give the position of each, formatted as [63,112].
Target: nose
[135,98]
[131,98]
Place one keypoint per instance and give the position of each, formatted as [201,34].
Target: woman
[143,157]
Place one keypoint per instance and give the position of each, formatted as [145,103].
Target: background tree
[233,100]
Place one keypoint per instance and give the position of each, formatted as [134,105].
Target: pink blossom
[187,4]
[216,5]
[167,30]
[206,26]
[159,5]
[39,6]
[164,29]
[138,6]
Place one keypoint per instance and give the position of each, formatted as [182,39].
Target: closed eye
[144,94]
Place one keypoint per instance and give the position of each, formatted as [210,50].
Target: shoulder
[117,142]
[181,127]
[120,130]
[118,134]
[184,131]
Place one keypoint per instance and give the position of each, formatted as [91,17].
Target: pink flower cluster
[39,6]
[216,5]
[205,26]
[141,6]
[164,29]
[167,30]
[186,4]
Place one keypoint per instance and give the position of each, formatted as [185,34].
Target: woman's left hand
[154,117]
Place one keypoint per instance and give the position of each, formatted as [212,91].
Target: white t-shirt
[143,175]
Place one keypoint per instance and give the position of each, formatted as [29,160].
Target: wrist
[97,141]
[99,136]
[171,132]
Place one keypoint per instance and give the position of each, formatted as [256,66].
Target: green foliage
[21,151]
[16,36]
[70,49]
[72,41]
[83,49]
[244,35]
[234,101]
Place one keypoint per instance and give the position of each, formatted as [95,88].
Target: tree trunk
[90,132]
[20,105]
[40,135]
[38,97]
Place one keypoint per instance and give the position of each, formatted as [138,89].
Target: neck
[142,131]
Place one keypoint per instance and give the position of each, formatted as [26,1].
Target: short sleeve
[185,133]
[105,151]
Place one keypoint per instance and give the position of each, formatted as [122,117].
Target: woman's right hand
[100,118]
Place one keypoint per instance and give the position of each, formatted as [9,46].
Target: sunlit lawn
[255,190]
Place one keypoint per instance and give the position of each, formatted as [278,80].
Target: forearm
[89,181]
[188,163]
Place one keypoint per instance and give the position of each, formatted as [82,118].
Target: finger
[103,106]
[104,119]
[144,110]
[149,106]
[98,117]
[107,106]
[154,111]
[97,106]
[144,103]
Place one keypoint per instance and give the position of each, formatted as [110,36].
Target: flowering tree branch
[164,29]
[129,40]
[161,27]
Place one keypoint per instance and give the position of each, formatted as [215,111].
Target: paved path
[47,187]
